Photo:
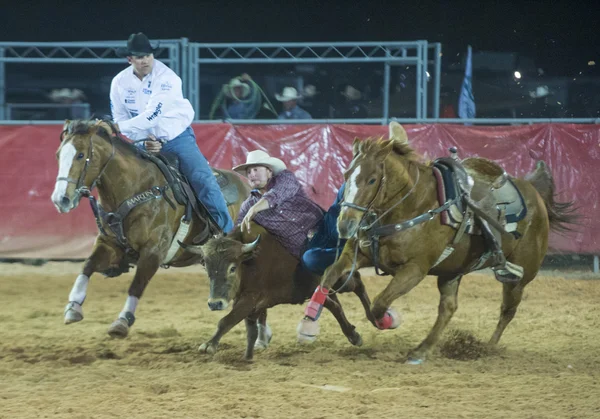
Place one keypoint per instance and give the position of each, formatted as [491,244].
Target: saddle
[490,205]
[168,163]
[488,192]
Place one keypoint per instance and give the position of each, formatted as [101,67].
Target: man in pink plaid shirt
[277,202]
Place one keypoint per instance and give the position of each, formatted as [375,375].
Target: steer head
[223,259]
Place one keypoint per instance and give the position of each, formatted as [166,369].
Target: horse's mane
[400,148]
[87,126]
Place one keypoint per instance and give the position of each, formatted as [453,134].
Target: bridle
[368,209]
[80,188]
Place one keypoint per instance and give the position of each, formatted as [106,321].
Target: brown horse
[140,215]
[391,218]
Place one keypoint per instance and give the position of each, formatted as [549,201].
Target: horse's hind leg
[448,287]
[512,293]
[147,266]
[99,261]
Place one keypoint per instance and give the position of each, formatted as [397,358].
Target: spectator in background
[69,97]
[351,106]
[289,99]
[314,102]
[240,93]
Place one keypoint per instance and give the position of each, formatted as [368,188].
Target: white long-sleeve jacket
[154,105]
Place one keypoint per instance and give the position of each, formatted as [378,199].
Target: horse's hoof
[414,361]
[207,348]
[73,313]
[119,329]
[356,339]
[307,330]
[390,320]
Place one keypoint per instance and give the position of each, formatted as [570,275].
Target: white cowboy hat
[236,82]
[289,93]
[261,158]
[351,93]
[58,94]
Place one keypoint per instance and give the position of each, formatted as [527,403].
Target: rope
[255,99]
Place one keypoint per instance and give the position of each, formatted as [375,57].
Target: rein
[375,232]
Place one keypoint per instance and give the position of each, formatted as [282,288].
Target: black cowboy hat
[137,44]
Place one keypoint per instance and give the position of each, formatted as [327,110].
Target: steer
[263,274]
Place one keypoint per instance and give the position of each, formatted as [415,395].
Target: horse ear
[398,133]
[383,152]
[66,124]
[356,146]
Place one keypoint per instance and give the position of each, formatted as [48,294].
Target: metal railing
[83,107]
[187,60]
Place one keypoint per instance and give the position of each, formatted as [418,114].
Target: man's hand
[261,205]
[153,146]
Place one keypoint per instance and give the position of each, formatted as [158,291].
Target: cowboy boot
[504,270]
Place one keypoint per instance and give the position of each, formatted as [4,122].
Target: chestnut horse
[139,213]
[391,217]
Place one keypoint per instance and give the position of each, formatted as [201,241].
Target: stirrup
[508,272]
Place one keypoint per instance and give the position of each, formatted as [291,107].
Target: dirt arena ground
[547,366]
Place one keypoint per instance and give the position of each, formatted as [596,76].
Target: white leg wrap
[130,306]
[79,290]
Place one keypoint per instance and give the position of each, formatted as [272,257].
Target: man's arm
[117,107]
[164,94]
[286,186]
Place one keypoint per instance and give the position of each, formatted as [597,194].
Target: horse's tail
[562,215]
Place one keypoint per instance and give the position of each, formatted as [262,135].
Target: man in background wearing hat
[146,101]
[289,99]
[239,90]
[277,202]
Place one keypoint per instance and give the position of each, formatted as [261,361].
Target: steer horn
[249,247]
[196,249]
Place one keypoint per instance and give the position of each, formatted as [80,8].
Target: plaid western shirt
[291,216]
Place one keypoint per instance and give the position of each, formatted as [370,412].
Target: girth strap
[115,219]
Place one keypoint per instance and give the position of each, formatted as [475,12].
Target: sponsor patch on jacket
[166,86]
[156,112]
[130,101]
[147,91]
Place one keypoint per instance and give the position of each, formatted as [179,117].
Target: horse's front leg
[147,265]
[308,328]
[405,279]
[242,309]
[103,256]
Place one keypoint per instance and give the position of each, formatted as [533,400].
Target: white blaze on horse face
[352,186]
[65,161]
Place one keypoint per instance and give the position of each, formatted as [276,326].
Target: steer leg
[251,335]
[264,332]
[333,304]
[241,309]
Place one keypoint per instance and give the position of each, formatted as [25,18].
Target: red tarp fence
[30,226]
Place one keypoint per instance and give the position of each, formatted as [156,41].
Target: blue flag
[466,101]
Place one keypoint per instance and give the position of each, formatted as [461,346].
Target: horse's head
[81,159]
[367,185]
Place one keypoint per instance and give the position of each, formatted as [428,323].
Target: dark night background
[562,37]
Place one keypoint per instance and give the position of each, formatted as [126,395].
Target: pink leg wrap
[315,305]
[385,322]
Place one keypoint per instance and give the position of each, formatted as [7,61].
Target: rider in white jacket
[146,101]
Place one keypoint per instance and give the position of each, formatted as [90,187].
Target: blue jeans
[195,168]
[318,259]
